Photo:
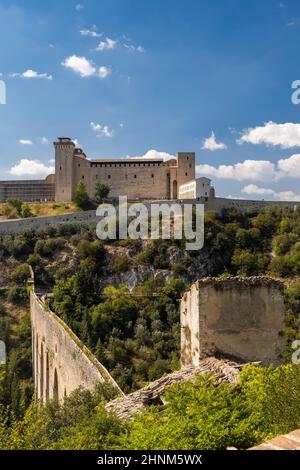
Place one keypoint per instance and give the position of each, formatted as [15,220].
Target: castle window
[187,158]
[78,164]
[152,176]
[83,177]
[186,174]
[109,177]
[190,165]
[135,176]
[60,168]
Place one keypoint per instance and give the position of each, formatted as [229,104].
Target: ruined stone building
[240,318]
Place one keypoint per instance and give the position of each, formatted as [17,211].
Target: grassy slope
[42,209]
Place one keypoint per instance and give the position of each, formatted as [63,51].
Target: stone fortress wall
[136,178]
[17,226]
[61,363]
[240,318]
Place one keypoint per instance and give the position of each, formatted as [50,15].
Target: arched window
[42,372]
[47,376]
[55,386]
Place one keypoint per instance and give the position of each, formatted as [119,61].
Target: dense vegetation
[121,299]
[197,416]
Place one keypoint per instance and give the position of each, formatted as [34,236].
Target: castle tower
[185,170]
[64,169]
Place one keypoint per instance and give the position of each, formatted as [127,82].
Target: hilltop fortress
[136,178]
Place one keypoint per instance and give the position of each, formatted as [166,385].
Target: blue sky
[127,76]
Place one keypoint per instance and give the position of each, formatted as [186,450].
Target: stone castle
[136,178]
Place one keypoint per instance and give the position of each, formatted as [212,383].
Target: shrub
[21,274]
[119,264]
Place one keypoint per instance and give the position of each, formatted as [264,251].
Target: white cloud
[79,7]
[290,167]
[31,74]
[44,141]
[133,48]
[155,155]
[104,71]
[107,44]
[90,32]
[285,135]
[76,142]
[252,189]
[84,67]
[102,131]
[259,170]
[211,144]
[31,168]
[25,142]
[255,170]
[293,22]
[80,65]
[288,196]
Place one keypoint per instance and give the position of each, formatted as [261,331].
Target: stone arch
[47,377]
[55,385]
[174,189]
[42,372]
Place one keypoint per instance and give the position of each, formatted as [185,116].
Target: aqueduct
[61,363]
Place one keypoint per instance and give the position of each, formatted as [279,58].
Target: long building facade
[132,177]
[28,190]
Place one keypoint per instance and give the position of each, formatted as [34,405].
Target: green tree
[16,203]
[102,191]
[81,197]
[21,274]
[25,211]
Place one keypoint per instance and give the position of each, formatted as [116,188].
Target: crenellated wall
[61,363]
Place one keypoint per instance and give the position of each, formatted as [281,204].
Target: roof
[223,370]
[289,441]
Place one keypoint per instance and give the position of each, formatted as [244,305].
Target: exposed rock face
[126,407]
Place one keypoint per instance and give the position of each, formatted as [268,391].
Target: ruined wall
[61,363]
[242,318]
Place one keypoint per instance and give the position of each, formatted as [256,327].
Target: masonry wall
[242,318]
[218,204]
[61,363]
[33,223]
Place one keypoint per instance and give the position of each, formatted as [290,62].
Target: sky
[139,78]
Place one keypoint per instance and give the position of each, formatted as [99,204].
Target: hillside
[136,336]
